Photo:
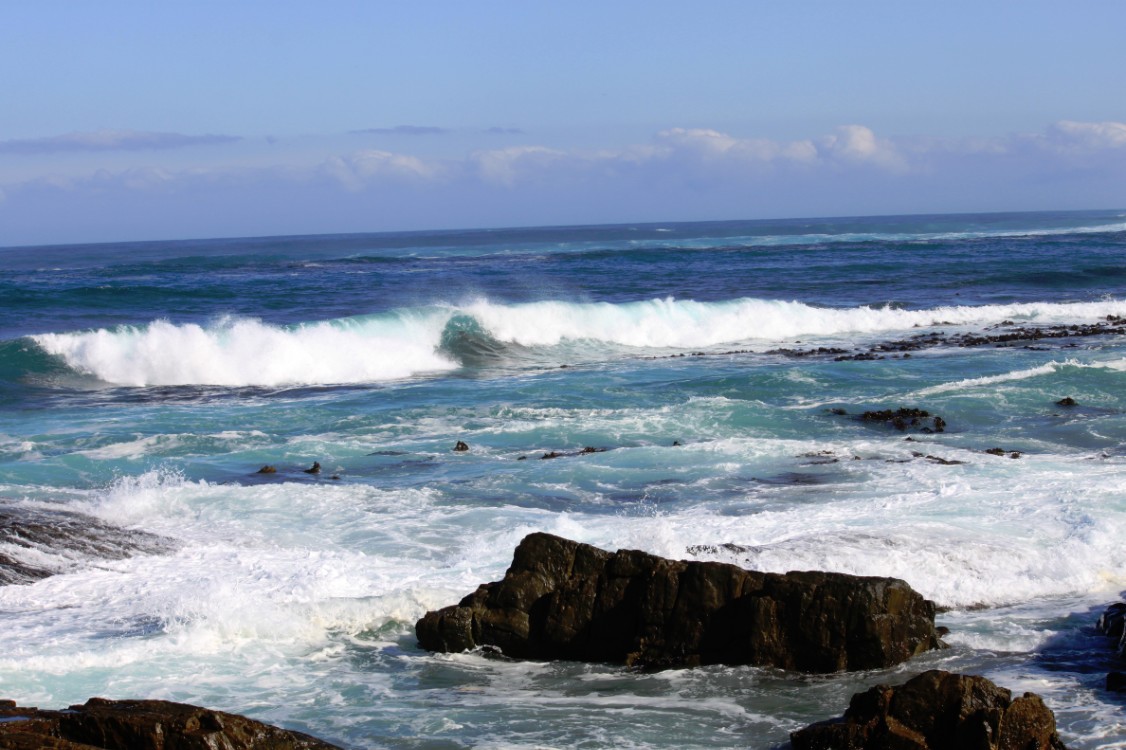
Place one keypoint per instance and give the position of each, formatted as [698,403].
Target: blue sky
[141,120]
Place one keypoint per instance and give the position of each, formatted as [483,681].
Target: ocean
[720,370]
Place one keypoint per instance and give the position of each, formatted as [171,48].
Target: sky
[140,120]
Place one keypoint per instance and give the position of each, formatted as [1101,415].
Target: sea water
[143,385]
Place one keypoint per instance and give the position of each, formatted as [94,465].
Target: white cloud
[857,144]
[358,169]
[1089,135]
[509,166]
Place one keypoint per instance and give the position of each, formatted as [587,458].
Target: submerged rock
[937,711]
[314,469]
[904,417]
[39,543]
[143,725]
[565,600]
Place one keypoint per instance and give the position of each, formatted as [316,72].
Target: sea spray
[426,341]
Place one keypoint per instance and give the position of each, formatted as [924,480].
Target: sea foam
[409,342]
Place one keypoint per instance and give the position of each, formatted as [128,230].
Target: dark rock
[938,459]
[40,543]
[1111,622]
[461,446]
[903,418]
[937,711]
[565,600]
[1067,401]
[143,725]
[1116,682]
[314,469]
[584,452]
[995,451]
[267,469]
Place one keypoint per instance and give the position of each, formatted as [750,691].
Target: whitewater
[723,368]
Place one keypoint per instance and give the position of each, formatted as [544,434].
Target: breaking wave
[436,339]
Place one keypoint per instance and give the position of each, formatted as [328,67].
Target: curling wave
[410,342]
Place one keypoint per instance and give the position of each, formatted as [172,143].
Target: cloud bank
[678,174]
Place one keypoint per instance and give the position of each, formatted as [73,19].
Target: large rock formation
[142,725]
[565,600]
[937,711]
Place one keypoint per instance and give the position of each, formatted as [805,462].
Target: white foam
[238,352]
[403,343]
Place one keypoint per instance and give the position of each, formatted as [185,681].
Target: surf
[436,340]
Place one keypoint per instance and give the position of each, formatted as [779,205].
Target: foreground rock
[565,600]
[143,725]
[937,711]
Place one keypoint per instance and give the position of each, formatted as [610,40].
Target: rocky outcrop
[565,600]
[142,725]
[937,711]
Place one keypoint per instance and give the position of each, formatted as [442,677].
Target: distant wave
[808,239]
[666,239]
[409,342]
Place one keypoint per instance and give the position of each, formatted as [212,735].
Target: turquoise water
[145,384]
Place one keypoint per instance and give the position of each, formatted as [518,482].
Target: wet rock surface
[1112,623]
[937,711]
[905,418]
[1004,334]
[36,543]
[142,725]
[564,600]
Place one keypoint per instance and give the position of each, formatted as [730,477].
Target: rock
[1111,621]
[461,446]
[1067,401]
[314,469]
[565,600]
[936,711]
[938,459]
[1116,682]
[38,543]
[143,725]
[267,469]
[903,418]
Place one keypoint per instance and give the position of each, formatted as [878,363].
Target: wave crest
[410,342]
